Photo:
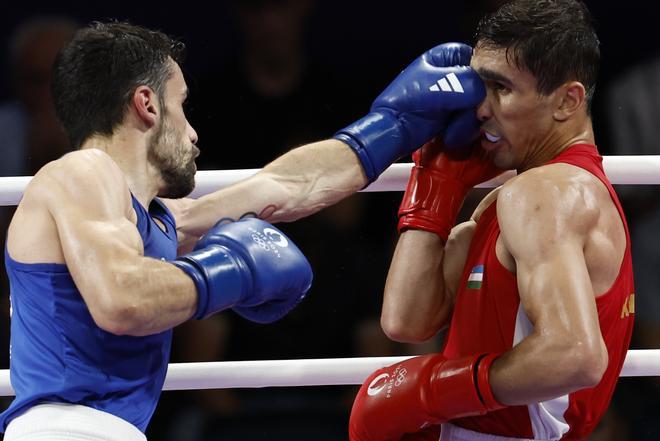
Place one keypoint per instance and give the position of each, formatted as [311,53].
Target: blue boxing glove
[249,266]
[438,92]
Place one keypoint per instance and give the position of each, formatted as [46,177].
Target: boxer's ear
[146,105]
[571,97]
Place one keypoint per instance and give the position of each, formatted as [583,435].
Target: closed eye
[495,81]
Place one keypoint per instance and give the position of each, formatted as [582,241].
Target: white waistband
[450,432]
[70,422]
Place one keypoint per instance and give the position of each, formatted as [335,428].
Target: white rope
[313,372]
[629,170]
[641,169]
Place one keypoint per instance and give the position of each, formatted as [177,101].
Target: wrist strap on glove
[377,140]
[431,202]
[461,387]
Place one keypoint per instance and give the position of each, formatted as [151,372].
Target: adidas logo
[449,83]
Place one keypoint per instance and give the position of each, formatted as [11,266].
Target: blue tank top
[58,353]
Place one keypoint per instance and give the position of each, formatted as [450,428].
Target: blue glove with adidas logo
[436,94]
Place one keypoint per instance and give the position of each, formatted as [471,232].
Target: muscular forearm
[155,296]
[540,368]
[313,177]
[297,184]
[415,304]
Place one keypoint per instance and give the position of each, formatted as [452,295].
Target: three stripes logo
[448,83]
[476,277]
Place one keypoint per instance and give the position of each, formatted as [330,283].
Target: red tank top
[488,317]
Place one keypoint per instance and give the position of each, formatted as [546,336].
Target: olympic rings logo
[260,242]
[276,237]
[400,377]
[383,381]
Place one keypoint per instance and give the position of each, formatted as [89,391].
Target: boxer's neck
[130,155]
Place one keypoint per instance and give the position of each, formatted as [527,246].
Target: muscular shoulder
[554,191]
[91,166]
[83,176]
[81,188]
[551,203]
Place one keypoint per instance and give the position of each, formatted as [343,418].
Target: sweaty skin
[77,210]
[561,235]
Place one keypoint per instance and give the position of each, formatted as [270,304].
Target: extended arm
[408,113]
[297,184]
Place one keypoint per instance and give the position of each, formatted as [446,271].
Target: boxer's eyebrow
[491,75]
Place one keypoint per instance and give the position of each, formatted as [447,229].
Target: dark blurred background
[268,75]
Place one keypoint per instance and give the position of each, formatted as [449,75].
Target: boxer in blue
[105,254]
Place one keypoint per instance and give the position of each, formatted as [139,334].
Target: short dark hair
[554,40]
[95,75]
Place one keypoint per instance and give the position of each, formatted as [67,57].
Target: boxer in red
[537,287]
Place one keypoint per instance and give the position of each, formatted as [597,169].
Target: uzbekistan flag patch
[476,277]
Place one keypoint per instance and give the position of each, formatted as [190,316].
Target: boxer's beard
[174,158]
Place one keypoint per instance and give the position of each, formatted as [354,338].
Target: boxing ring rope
[313,372]
[631,170]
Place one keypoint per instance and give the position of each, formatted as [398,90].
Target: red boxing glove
[410,396]
[438,184]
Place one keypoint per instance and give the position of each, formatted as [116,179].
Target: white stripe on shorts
[70,422]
